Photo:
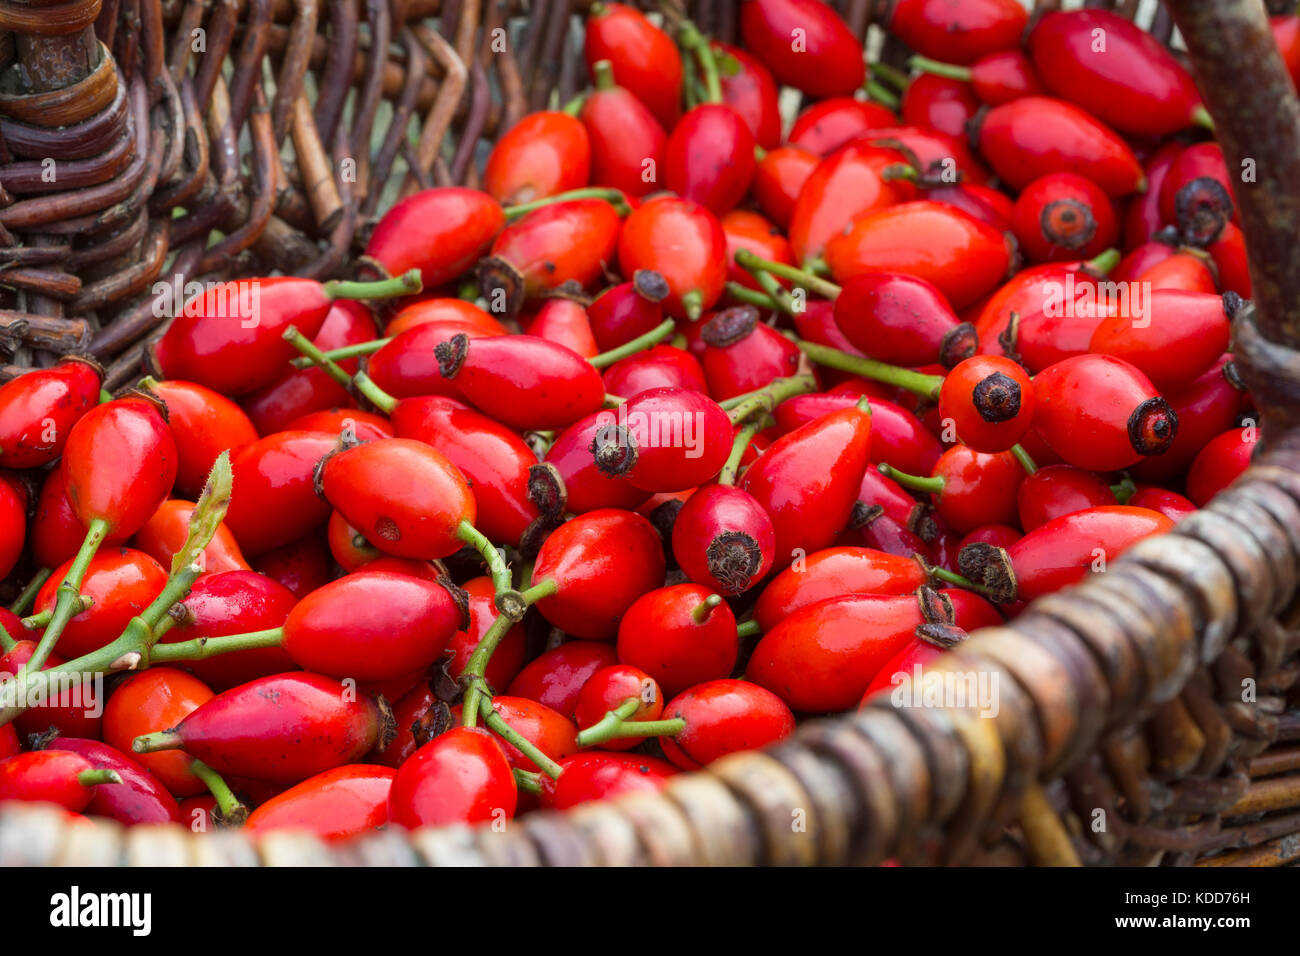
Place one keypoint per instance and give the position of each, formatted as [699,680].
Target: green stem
[574,106]
[750,262]
[501,580]
[476,666]
[933,484]
[408,283]
[953,578]
[227,803]
[24,600]
[91,778]
[377,397]
[701,612]
[1103,262]
[1201,117]
[882,94]
[602,74]
[316,356]
[891,75]
[346,352]
[600,731]
[539,591]
[919,383]
[528,782]
[767,398]
[743,293]
[693,304]
[621,729]
[1022,456]
[612,196]
[695,42]
[748,629]
[732,467]
[34,622]
[105,396]
[651,338]
[1124,490]
[496,723]
[777,292]
[926,65]
[67,604]
[201,648]
[160,740]
[7,641]
[613,401]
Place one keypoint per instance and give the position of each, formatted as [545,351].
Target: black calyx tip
[451,354]
[997,398]
[733,558]
[990,567]
[650,285]
[1068,223]
[729,326]
[1202,208]
[959,343]
[615,450]
[1152,427]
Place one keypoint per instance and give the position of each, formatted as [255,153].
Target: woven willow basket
[1147,716]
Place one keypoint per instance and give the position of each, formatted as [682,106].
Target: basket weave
[1147,716]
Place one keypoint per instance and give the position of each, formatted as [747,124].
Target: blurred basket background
[146,139]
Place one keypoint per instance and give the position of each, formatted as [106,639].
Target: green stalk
[750,262]
[732,467]
[701,612]
[882,94]
[346,352]
[953,578]
[28,595]
[7,642]
[67,604]
[891,75]
[1103,262]
[316,356]
[477,664]
[933,484]
[614,726]
[926,65]
[919,383]
[201,648]
[1022,456]
[775,291]
[601,729]
[91,778]
[743,293]
[767,398]
[696,43]
[612,196]
[501,580]
[748,629]
[641,342]
[160,740]
[372,393]
[408,283]
[528,782]
[497,724]
[227,803]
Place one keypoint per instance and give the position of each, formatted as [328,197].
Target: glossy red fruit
[746,229]
[740,354]
[508,658]
[281,729]
[846,187]
[228,603]
[277,502]
[601,562]
[749,88]
[564,321]
[407,367]
[165,533]
[1100,413]
[569,241]
[602,775]
[1129,80]
[1005,76]
[664,440]
[664,366]
[333,805]
[455,315]
[1061,552]
[823,657]
[373,625]
[1143,218]
[1063,216]
[902,320]
[556,678]
[961,256]
[644,58]
[1169,503]
[13,523]
[494,460]
[139,798]
[709,157]
[1205,407]
[1056,490]
[683,242]
[989,400]
[958,32]
[586,487]
[778,180]
[522,381]
[939,103]
[828,124]
[121,583]
[74,706]
[120,463]
[972,488]
[1172,338]
[897,436]
[56,532]
[609,688]
[835,572]
[1220,462]
[404,496]
[805,44]
[47,776]
[545,153]
[366,426]
[678,639]
[38,410]
[305,390]
[1035,135]
[460,776]
[1184,272]
[723,539]
[722,717]
[627,140]
[808,480]
[442,232]
[302,565]
[153,700]
[204,424]
[623,312]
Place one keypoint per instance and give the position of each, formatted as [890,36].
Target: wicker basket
[1147,716]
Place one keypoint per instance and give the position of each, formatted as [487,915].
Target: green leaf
[208,514]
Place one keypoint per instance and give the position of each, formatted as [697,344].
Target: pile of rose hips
[750,423]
